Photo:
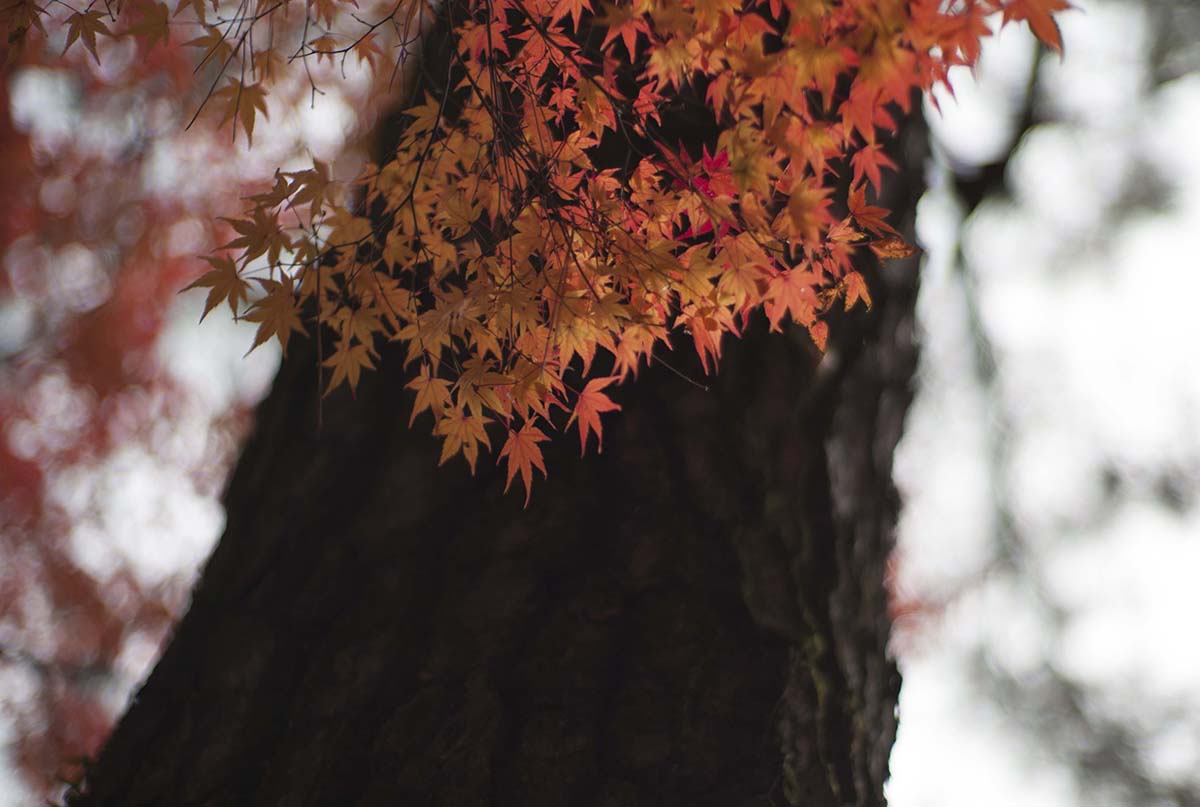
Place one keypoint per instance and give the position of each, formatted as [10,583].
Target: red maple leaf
[1038,14]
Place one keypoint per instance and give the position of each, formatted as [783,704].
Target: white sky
[1094,330]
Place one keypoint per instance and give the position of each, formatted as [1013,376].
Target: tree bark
[696,617]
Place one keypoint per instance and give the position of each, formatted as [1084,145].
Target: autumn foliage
[541,209]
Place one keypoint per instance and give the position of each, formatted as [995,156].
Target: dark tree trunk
[695,617]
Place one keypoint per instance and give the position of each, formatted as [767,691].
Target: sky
[1036,533]
[1083,447]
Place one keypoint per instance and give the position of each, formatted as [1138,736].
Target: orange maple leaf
[868,217]
[625,23]
[855,288]
[893,247]
[348,362]
[433,393]
[791,291]
[867,161]
[819,331]
[706,336]
[522,454]
[588,408]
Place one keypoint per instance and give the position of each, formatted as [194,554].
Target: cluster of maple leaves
[538,215]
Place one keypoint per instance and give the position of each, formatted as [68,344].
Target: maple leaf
[868,217]
[475,40]
[324,46]
[591,403]
[425,117]
[215,44]
[967,36]
[275,312]
[242,104]
[348,362]
[398,251]
[636,343]
[855,289]
[311,187]
[522,455]
[17,19]
[670,63]
[347,228]
[258,235]
[479,386]
[433,393]
[867,161]
[706,337]
[224,284]
[717,180]
[1039,15]
[819,331]
[458,213]
[791,291]
[752,172]
[893,247]
[367,50]
[84,25]
[360,322]
[327,10]
[278,193]
[624,22]
[573,7]
[647,102]
[842,232]
[463,432]
[863,111]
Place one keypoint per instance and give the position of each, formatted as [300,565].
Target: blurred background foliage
[119,416]
[1043,581]
[1051,463]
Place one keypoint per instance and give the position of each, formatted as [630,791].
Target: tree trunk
[695,617]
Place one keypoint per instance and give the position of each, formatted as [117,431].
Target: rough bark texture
[695,617]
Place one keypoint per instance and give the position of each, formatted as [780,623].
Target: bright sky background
[1095,330]
[1093,323]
